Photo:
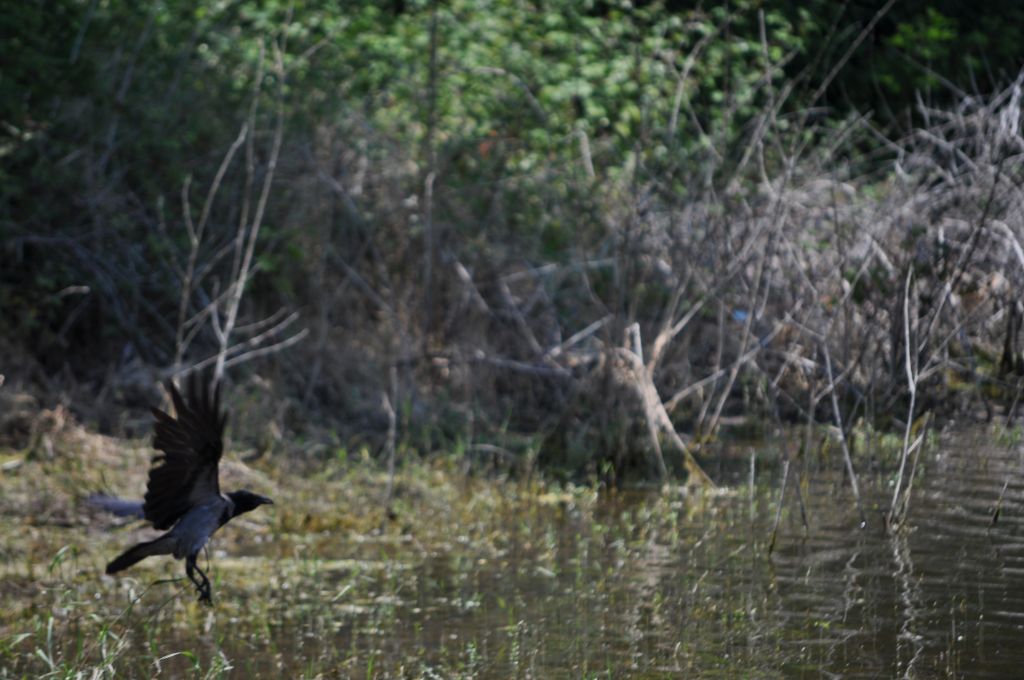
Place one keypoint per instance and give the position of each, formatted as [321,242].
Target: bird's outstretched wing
[185,472]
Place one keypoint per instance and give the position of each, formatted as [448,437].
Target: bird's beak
[266,501]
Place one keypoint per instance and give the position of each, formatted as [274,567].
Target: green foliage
[919,47]
[107,108]
[534,120]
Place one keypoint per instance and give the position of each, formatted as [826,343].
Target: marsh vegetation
[584,236]
[584,339]
[484,577]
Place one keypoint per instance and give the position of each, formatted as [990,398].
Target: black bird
[183,493]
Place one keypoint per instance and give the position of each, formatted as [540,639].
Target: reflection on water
[660,588]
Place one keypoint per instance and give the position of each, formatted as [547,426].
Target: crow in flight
[183,493]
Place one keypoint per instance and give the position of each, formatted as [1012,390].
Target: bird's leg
[190,571]
[203,586]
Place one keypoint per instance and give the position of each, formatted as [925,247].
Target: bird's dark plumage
[191,449]
[183,492]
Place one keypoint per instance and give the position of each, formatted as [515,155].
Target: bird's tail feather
[159,546]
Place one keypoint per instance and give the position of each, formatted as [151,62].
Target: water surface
[635,583]
[653,585]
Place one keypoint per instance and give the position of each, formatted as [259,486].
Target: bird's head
[245,501]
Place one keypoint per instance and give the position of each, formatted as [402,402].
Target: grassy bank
[333,559]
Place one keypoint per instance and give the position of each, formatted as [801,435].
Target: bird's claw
[203,586]
[205,592]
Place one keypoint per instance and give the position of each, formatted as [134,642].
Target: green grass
[462,576]
[316,585]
